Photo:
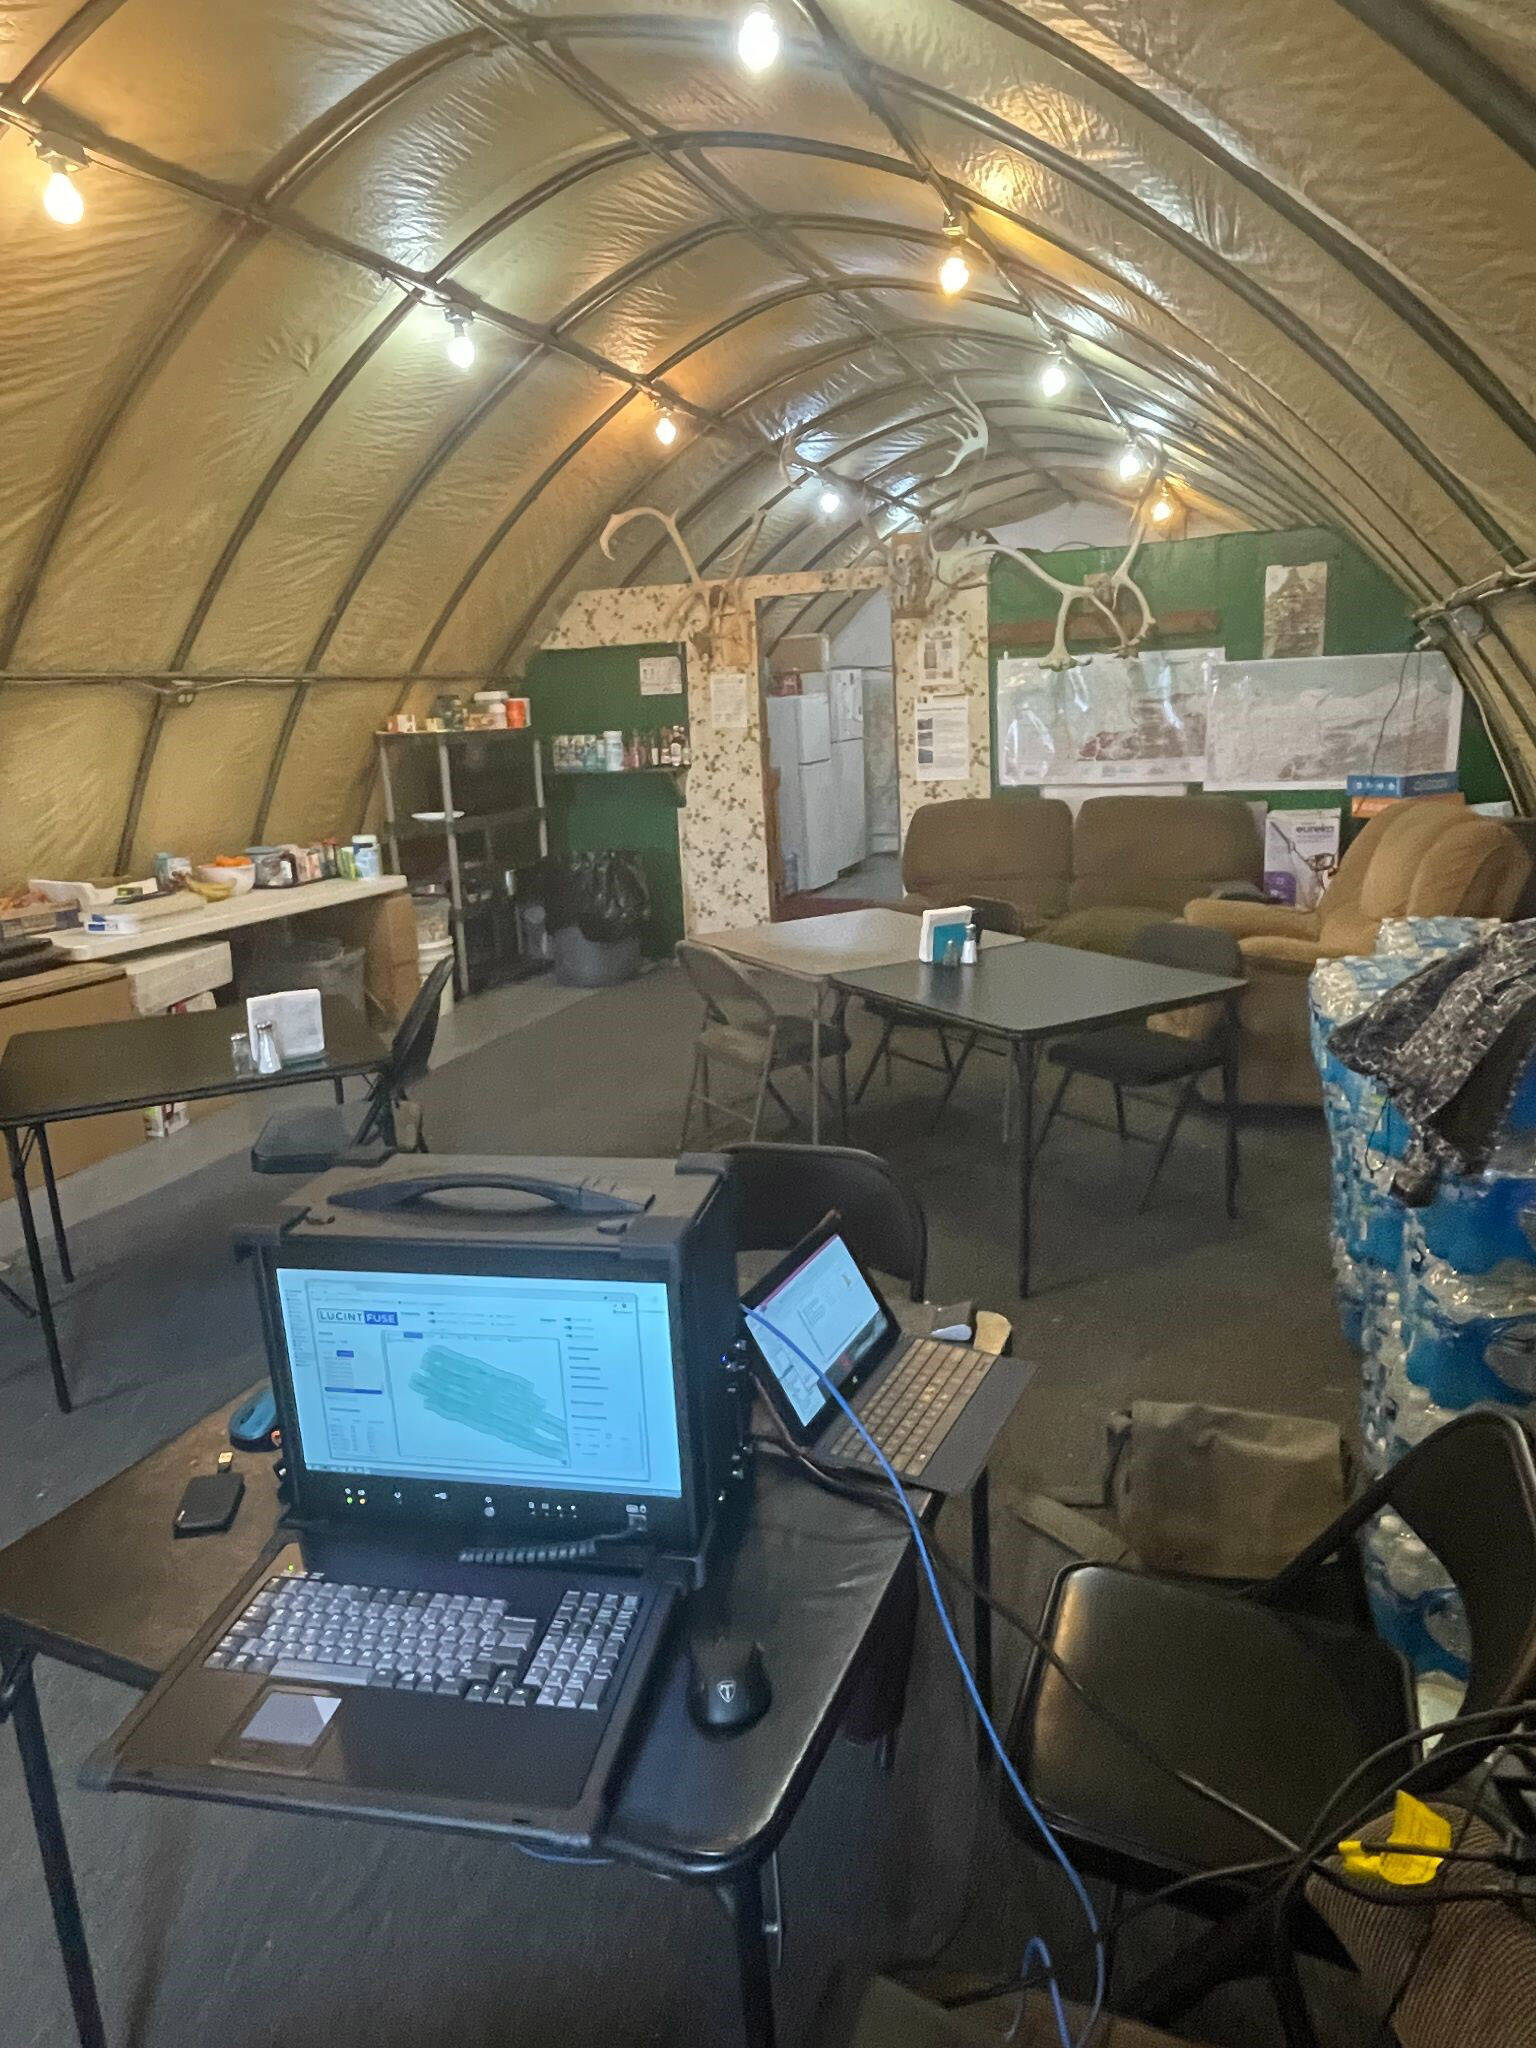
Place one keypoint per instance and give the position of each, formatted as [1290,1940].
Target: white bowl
[241,878]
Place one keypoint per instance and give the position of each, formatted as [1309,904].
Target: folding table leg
[18,1703]
[18,1165]
[1024,1060]
[840,1018]
[742,1898]
[981,1613]
[61,1242]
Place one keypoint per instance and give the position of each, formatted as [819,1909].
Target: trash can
[595,907]
[289,962]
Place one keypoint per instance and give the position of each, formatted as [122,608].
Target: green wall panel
[1367,614]
[597,689]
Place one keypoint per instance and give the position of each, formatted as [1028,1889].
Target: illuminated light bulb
[61,198]
[1133,462]
[461,343]
[830,503]
[757,40]
[666,430]
[1054,378]
[954,274]
[1162,508]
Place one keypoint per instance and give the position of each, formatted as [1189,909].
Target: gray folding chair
[741,1029]
[1135,1056]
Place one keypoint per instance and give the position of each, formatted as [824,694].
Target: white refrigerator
[845,697]
[800,748]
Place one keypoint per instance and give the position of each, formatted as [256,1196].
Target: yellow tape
[1413,1823]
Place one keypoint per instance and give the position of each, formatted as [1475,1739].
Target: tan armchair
[1014,850]
[1428,857]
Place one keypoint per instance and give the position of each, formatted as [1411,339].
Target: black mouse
[728,1685]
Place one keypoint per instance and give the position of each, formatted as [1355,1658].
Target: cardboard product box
[1301,853]
[93,992]
[158,982]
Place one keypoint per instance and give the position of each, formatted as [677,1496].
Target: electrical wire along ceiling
[334,333]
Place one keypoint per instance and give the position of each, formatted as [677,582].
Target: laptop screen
[488,1378]
[829,1311]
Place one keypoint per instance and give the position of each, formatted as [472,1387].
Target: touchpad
[283,1733]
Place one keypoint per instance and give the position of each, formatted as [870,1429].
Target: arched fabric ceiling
[1293,245]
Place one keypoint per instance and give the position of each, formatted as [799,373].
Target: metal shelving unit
[449,829]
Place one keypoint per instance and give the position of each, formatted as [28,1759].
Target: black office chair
[988,914]
[783,1192]
[364,1132]
[1135,1056]
[1261,1700]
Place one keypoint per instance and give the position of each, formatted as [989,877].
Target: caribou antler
[697,592]
[1101,591]
[975,435]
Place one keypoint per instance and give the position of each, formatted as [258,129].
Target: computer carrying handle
[577,1197]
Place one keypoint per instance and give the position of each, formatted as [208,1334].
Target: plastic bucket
[428,953]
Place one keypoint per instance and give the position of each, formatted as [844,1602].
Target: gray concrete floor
[877,879]
[251,1929]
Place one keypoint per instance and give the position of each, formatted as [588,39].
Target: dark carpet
[250,1929]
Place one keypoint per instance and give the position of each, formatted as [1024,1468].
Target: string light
[666,430]
[1054,376]
[954,271]
[461,343]
[757,40]
[1162,507]
[1133,462]
[830,503]
[62,199]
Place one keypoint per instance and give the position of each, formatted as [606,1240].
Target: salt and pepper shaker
[268,1059]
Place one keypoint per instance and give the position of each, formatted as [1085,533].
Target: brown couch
[1428,857]
[1126,861]
[1138,858]
[1013,850]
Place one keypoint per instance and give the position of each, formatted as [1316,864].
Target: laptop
[380,1664]
[934,1408]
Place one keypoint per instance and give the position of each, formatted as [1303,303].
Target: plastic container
[365,853]
[581,962]
[429,952]
[325,964]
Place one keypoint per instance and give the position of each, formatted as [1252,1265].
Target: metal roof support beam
[1430,43]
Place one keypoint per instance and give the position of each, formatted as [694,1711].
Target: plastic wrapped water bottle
[1413,1602]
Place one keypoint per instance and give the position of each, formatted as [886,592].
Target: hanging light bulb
[461,343]
[1162,507]
[666,430]
[757,40]
[62,198]
[1133,462]
[830,503]
[954,271]
[1054,376]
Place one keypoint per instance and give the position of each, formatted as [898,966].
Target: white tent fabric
[1296,245]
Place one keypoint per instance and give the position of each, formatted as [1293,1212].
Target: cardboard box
[158,981]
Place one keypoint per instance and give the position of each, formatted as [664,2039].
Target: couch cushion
[1386,883]
[1107,928]
[1159,851]
[1018,849]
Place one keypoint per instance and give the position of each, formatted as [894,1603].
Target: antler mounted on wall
[1102,590]
[710,613]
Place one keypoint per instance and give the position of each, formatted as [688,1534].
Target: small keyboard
[305,1627]
[912,1409]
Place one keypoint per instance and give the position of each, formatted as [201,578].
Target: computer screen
[488,1378]
[827,1308]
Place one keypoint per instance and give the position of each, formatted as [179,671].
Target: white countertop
[256,906]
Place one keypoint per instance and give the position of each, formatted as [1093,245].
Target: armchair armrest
[1251,920]
[1279,954]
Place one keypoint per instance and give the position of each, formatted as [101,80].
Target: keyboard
[910,1412]
[303,1626]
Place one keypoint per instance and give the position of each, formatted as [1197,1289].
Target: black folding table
[823,1584]
[1024,994]
[49,1077]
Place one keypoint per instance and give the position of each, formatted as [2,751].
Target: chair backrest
[727,991]
[1017,850]
[783,1191]
[991,914]
[1160,851]
[1476,869]
[1469,1493]
[1376,874]
[411,1052]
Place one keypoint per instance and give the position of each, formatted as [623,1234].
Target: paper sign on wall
[941,658]
[661,675]
[943,739]
[728,700]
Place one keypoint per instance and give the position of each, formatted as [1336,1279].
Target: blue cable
[1032,1948]
[1036,1816]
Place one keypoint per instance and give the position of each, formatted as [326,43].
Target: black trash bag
[603,894]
